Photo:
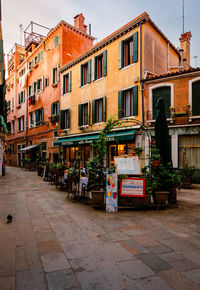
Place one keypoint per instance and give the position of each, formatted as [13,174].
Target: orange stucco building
[105,81]
[33,86]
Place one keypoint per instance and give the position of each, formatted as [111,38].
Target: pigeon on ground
[9,218]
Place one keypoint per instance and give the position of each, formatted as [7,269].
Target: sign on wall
[128,165]
[133,187]
[111,192]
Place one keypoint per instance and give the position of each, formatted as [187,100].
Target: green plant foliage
[188,171]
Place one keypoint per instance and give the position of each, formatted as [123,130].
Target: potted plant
[187,173]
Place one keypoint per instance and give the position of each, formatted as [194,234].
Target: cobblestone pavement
[55,243]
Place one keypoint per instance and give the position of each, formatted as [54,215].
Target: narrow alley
[55,243]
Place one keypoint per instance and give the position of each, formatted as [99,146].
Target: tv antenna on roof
[21,32]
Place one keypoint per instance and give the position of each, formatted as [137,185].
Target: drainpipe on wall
[26,140]
[141,84]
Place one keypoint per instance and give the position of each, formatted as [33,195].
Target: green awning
[88,139]
[121,136]
[76,140]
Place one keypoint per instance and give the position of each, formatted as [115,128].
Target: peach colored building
[181,92]
[106,81]
[33,87]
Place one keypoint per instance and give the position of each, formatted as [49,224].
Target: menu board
[111,192]
[128,165]
[134,187]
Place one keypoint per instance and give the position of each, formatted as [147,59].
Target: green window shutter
[89,112]
[70,81]
[93,111]
[104,109]
[121,54]
[36,117]
[135,101]
[58,73]
[64,85]
[58,108]
[62,119]
[120,105]
[42,114]
[52,109]
[18,98]
[80,76]
[195,98]
[95,68]
[105,63]
[80,115]
[89,71]
[135,47]
[68,115]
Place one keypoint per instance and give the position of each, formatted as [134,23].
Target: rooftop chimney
[185,45]
[79,22]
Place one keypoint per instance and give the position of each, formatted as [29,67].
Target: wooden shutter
[80,76]
[80,115]
[105,63]
[36,117]
[89,112]
[62,119]
[42,88]
[196,98]
[134,101]
[70,81]
[104,109]
[18,98]
[95,68]
[58,108]
[120,104]
[93,111]
[135,47]
[58,73]
[89,71]
[165,93]
[23,96]
[52,109]
[52,77]
[42,114]
[64,85]
[68,116]
[121,54]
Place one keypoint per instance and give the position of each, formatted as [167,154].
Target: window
[8,106]
[13,127]
[85,73]
[83,114]
[9,127]
[35,60]
[13,103]
[22,72]
[56,41]
[165,93]
[128,51]
[196,98]
[65,119]
[31,120]
[99,110]
[39,85]
[21,124]
[39,117]
[35,88]
[128,102]
[46,82]
[55,109]
[13,149]
[100,63]
[29,91]
[67,83]
[21,97]
[55,75]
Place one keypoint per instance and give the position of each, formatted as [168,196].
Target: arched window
[165,93]
[196,98]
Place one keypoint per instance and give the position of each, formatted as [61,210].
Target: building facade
[33,87]
[106,81]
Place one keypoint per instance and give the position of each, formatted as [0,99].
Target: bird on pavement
[9,218]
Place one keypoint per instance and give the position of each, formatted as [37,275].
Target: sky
[105,17]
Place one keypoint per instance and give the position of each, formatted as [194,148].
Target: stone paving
[55,243]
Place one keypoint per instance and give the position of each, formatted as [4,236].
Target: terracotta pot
[172,197]
[98,197]
[160,197]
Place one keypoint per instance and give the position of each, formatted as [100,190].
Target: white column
[174,141]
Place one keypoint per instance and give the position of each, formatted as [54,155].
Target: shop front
[81,148]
